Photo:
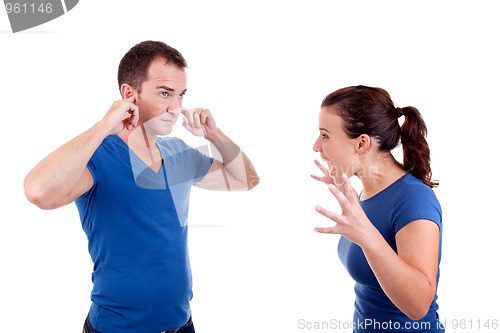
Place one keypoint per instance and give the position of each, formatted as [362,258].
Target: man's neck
[143,145]
[138,137]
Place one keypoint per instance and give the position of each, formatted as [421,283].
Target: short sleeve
[94,167]
[416,202]
[201,163]
[184,163]
[84,202]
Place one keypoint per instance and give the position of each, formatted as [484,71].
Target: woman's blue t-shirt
[406,200]
[136,224]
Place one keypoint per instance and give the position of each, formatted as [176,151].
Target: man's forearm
[234,160]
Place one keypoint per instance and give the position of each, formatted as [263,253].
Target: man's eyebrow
[165,87]
[324,129]
[169,89]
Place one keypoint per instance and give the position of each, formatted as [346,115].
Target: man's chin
[165,131]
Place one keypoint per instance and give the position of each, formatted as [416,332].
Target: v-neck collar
[126,146]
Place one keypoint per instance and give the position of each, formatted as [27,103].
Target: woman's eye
[324,136]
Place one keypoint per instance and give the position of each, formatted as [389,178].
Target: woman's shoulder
[413,188]
[415,201]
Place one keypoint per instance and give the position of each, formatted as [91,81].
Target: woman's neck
[379,174]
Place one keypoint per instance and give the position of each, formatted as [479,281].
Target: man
[132,189]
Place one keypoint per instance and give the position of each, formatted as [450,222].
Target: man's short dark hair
[135,63]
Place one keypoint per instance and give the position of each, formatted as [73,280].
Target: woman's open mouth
[331,166]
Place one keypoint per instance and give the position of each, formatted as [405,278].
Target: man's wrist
[216,137]
[102,127]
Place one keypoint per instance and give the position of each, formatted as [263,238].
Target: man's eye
[164,94]
[181,96]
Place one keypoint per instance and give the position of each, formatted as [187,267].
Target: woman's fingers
[341,198]
[317,178]
[350,192]
[330,230]
[326,175]
[321,167]
[331,215]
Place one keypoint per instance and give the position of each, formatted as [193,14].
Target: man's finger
[134,112]
[189,117]
[204,115]
[196,118]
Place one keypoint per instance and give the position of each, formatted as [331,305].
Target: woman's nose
[316,146]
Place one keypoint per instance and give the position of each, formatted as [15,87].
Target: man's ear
[363,143]
[128,92]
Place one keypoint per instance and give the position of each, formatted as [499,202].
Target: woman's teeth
[331,166]
[330,170]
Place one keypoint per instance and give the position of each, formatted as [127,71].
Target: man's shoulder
[111,143]
[112,147]
[168,139]
[111,140]
[172,143]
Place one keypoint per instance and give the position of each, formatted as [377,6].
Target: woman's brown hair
[367,110]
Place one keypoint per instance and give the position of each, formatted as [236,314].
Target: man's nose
[175,106]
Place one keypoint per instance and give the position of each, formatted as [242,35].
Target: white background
[263,69]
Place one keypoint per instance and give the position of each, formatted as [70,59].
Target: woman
[391,233]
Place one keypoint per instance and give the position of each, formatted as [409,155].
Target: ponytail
[416,152]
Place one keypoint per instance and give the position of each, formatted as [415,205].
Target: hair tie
[399,111]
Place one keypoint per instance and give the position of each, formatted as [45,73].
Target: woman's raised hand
[353,222]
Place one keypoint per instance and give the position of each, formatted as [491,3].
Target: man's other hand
[200,122]
[122,114]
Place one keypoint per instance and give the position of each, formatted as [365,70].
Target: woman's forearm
[406,286]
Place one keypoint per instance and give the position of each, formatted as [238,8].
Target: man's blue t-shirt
[136,224]
[406,200]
